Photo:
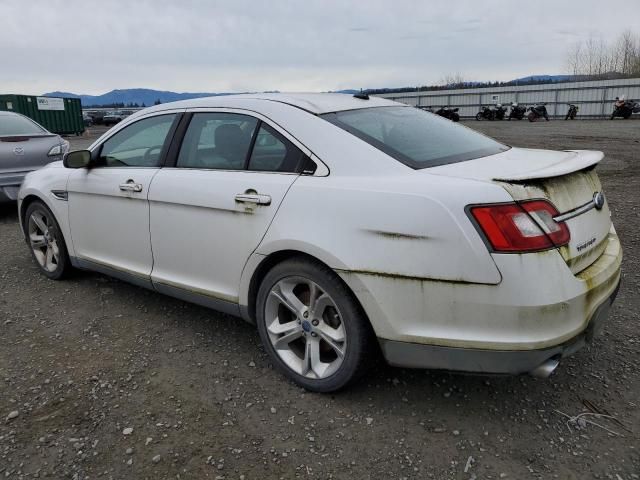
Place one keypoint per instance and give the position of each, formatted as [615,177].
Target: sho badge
[18,151]
[586,244]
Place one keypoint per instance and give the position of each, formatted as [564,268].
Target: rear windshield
[12,125]
[416,138]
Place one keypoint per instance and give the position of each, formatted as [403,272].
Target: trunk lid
[23,153]
[567,179]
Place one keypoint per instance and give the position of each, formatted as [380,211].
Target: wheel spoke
[315,364]
[284,341]
[37,241]
[321,303]
[39,221]
[314,293]
[56,251]
[49,265]
[278,328]
[334,337]
[285,295]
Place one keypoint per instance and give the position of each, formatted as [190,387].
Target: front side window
[139,144]
[416,138]
[217,141]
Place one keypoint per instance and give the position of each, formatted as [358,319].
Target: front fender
[40,185]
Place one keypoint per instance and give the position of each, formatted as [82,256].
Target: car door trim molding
[205,299]
[112,271]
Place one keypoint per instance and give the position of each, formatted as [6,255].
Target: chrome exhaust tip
[545,369]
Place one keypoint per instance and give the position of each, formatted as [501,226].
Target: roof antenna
[361,95]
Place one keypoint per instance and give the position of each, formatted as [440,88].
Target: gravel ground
[101,379]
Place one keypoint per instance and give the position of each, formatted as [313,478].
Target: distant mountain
[348,91]
[132,96]
[147,97]
[544,78]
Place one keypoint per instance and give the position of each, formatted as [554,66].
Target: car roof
[316,103]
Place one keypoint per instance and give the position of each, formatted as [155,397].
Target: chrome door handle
[253,198]
[131,186]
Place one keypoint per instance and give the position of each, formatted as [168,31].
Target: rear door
[211,209]
[108,206]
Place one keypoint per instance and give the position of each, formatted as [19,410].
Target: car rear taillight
[521,227]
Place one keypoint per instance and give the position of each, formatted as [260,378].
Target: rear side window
[217,141]
[416,138]
[15,125]
[272,153]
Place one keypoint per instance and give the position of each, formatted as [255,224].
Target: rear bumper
[415,355]
[540,310]
[10,185]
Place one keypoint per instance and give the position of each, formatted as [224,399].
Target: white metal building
[594,98]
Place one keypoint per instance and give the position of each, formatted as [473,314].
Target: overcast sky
[92,47]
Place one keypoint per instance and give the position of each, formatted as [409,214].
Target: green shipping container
[58,115]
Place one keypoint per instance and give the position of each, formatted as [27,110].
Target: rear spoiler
[574,161]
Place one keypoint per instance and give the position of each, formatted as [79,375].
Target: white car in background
[341,226]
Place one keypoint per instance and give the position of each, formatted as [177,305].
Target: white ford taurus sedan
[341,226]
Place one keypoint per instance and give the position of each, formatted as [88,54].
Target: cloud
[216,45]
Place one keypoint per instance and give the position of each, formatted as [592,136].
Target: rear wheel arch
[276,258]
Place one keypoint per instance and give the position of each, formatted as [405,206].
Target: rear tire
[46,241]
[312,327]
[479,116]
[532,117]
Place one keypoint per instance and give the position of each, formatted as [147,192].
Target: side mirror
[77,159]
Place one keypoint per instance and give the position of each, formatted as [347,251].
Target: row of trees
[592,59]
[598,59]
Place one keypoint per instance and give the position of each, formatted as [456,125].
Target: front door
[210,211]
[108,206]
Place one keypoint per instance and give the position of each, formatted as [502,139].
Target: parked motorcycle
[572,112]
[624,108]
[486,113]
[517,111]
[449,113]
[500,111]
[538,111]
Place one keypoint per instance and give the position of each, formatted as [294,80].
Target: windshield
[414,137]
[12,125]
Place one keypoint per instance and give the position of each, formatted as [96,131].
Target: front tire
[479,116]
[312,327]
[46,241]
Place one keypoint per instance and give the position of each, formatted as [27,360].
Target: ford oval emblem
[598,200]
[18,151]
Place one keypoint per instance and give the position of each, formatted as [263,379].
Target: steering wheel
[146,158]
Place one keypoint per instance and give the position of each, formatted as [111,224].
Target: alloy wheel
[305,327]
[43,241]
